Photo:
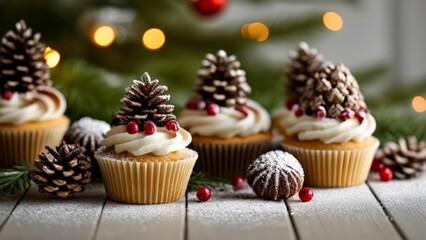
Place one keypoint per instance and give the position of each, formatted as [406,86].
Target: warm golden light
[153,39]
[104,36]
[256,31]
[52,57]
[419,104]
[332,21]
[245,32]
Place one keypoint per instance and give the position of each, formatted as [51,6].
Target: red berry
[346,114]
[172,125]
[239,183]
[132,127]
[212,109]
[290,102]
[149,128]
[377,165]
[298,112]
[7,95]
[209,7]
[306,194]
[361,115]
[242,110]
[320,113]
[386,174]
[191,104]
[204,194]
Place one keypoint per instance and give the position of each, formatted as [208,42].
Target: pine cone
[302,67]
[405,157]
[143,102]
[334,88]
[221,81]
[22,64]
[62,171]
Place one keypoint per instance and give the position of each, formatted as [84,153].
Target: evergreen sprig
[204,180]
[14,179]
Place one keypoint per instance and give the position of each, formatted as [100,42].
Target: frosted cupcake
[328,128]
[31,111]
[229,131]
[144,159]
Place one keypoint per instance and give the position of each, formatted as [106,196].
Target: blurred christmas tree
[102,51]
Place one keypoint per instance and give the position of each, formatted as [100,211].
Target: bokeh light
[52,57]
[257,31]
[419,104]
[153,39]
[104,35]
[332,21]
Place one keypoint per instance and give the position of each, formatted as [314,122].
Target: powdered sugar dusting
[277,160]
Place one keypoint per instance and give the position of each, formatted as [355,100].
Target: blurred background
[97,47]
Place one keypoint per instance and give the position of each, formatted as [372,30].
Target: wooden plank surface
[405,200]
[341,213]
[39,216]
[237,215]
[7,204]
[126,221]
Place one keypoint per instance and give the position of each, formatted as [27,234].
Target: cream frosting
[228,122]
[45,104]
[160,143]
[327,130]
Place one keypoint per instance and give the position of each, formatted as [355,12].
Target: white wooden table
[375,210]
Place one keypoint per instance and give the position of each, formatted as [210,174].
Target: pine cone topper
[406,157]
[62,170]
[334,88]
[22,64]
[144,101]
[302,67]
[221,81]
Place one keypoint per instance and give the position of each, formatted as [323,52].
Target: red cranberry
[7,95]
[242,110]
[290,102]
[320,113]
[150,128]
[204,194]
[172,125]
[386,174]
[191,104]
[132,127]
[239,183]
[377,165]
[298,112]
[212,109]
[306,194]
[361,115]
[346,114]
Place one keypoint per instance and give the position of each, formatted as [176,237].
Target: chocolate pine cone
[62,171]
[144,101]
[334,88]
[222,81]
[406,157]
[302,67]
[22,64]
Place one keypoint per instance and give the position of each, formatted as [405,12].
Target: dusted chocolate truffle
[275,175]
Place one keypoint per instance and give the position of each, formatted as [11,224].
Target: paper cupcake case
[227,160]
[334,168]
[146,182]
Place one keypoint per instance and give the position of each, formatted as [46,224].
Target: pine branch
[14,179]
[202,179]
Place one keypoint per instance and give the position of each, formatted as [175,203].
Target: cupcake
[31,111]
[144,159]
[327,127]
[229,131]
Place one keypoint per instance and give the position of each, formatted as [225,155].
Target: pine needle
[14,179]
[204,180]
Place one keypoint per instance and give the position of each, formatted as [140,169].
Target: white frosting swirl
[327,130]
[44,104]
[228,122]
[160,143]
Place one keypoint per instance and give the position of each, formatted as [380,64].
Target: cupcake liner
[227,160]
[22,145]
[145,182]
[334,168]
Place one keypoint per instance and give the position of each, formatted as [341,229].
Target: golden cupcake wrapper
[227,160]
[23,145]
[146,182]
[334,168]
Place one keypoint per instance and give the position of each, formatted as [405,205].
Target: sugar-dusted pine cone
[144,101]
[22,65]
[406,157]
[221,81]
[303,65]
[335,89]
[62,170]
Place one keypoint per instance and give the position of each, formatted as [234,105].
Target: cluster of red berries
[385,173]
[150,128]
[211,108]
[321,112]
[7,95]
